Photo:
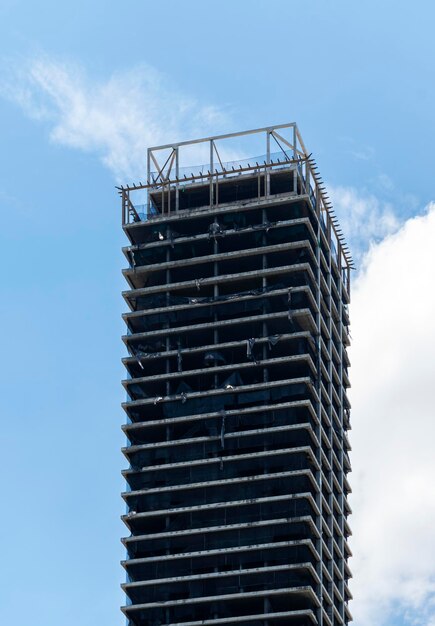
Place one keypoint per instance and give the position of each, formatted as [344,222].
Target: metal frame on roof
[168,175]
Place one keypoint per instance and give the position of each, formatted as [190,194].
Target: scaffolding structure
[237,411]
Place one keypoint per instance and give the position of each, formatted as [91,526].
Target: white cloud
[393,373]
[363,218]
[363,153]
[118,118]
[385,182]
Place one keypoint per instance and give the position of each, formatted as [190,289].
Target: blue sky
[84,89]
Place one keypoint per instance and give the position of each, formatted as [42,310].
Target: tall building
[237,411]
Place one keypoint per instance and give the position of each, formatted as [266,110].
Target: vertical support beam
[211,172]
[267,172]
[264,285]
[215,316]
[306,181]
[124,221]
[217,190]
[177,175]
[148,181]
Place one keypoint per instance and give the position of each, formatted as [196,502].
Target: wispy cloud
[364,218]
[116,118]
[356,149]
[393,369]
[363,154]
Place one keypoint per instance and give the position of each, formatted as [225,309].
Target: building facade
[237,371]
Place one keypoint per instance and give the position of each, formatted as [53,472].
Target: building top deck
[169,175]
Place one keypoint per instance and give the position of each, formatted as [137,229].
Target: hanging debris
[272,340]
[223,416]
[211,359]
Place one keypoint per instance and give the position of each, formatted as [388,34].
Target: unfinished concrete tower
[236,389]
